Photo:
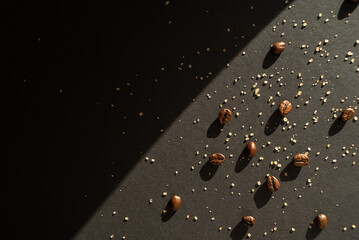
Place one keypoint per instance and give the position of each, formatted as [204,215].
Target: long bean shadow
[169,213]
[242,161]
[336,127]
[262,196]
[239,231]
[312,232]
[269,59]
[207,171]
[273,123]
[346,7]
[215,129]
[289,173]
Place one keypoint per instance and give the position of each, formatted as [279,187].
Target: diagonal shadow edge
[70,136]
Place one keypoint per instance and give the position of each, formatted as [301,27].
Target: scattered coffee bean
[248,221]
[217,158]
[176,202]
[347,114]
[300,160]
[321,221]
[278,47]
[355,1]
[251,149]
[285,107]
[224,116]
[273,183]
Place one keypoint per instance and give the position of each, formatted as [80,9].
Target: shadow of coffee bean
[242,161]
[273,123]
[207,171]
[215,129]
[262,196]
[290,172]
[239,231]
[313,232]
[346,8]
[168,212]
[269,59]
[336,127]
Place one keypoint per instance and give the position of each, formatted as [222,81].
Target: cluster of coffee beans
[299,160]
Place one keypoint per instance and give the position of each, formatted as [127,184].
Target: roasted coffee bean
[224,116]
[321,221]
[278,47]
[285,107]
[273,183]
[355,1]
[251,149]
[217,158]
[347,114]
[176,202]
[248,221]
[300,160]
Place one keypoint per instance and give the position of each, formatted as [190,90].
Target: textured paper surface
[85,141]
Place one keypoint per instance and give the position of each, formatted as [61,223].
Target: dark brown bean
[273,183]
[278,47]
[347,114]
[176,202]
[251,149]
[224,116]
[248,221]
[217,158]
[301,160]
[355,1]
[321,221]
[285,107]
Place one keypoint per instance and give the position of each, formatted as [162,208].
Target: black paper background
[78,77]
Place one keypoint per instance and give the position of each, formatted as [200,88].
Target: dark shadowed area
[239,231]
[336,126]
[94,85]
[313,231]
[347,8]
[262,196]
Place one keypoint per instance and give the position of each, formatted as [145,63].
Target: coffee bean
[273,183]
[278,47]
[355,1]
[248,221]
[176,202]
[251,149]
[285,107]
[347,114]
[321,221]
[217,158]
[224,116]
[300,160]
